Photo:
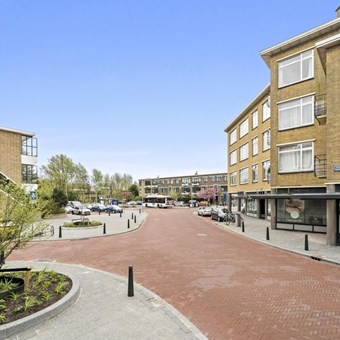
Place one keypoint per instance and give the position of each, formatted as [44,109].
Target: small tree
[20,219]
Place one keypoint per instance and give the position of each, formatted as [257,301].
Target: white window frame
[244,176]
[233,137]
[255,146]
[255,119]
[244,152]
[300,111]
[266,110]
[266,140]
[255,173]
[266,171]
[299,64]
[233,157]
[233,178]
[244,128]
[297,150]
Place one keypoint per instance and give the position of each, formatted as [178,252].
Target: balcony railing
[320,166]
[320,108]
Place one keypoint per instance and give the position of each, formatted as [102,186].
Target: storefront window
[301,211]
[251,206]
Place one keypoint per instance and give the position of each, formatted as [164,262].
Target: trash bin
[238,219]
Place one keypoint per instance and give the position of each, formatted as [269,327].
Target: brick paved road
[230,287]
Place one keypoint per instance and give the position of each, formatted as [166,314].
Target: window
[233,178]
[266,140]
[29,173]
[296,113]
[266,110]
[255,146]
[233,157]
[244,176]
[233,137]
[266,171]
[29,146]
[196,180]
[296,68]
[244,128]
[255,119]
[244,153]
[296,157]
[185,180]
[255,173]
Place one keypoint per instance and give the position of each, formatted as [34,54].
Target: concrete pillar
[273,214]
[331,227]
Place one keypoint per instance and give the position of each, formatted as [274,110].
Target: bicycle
[229,218]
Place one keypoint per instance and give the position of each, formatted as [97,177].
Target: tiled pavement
[152,318]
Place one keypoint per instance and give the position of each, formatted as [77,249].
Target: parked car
[68,209]
[204,211]
[114,209]
[81,210]
[98,208]
[218,214]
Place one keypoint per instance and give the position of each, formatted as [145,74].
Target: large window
[233,157]
[266,110]
[244,176]
[255,119]
[266,171]
[244,128]
[233,137]
[296,157]
[302,211]
[244,152]
[233,178]
[29,173]
[255,172]
[29,146]
[255,146]
[297,68]
[296,113]
[266,140]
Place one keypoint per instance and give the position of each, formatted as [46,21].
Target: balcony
[320,166]
[320,109]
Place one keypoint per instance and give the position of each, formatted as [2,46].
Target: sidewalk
[103,310]
[293,241]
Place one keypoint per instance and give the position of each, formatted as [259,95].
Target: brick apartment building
[303,183]
[19,157]
[185,185]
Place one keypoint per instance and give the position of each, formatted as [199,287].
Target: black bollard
[2,258]
[60,232]
[130,282]
[120,215]
[52,230]
[306,242]
[135,218]
[267,236]
[128,224]
[132,216]
[104,228]
[109,212]
[99,212]
[242,225]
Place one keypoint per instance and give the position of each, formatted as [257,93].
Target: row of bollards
[133,217]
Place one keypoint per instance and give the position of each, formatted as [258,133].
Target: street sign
[33,195]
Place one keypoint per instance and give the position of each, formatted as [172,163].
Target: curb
[47,313]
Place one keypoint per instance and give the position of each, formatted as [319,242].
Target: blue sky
[144,87]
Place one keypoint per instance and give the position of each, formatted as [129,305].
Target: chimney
[337,12]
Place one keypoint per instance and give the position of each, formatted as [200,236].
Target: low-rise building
[19,157]
[186,185]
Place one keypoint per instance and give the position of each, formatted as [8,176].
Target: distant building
[185,185]
[19,157]
[297,185]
